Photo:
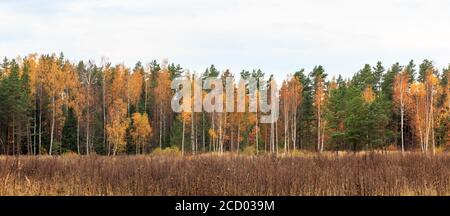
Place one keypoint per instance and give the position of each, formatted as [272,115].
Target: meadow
[228,174]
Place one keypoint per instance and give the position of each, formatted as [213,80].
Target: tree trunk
[14,135]
[294,132]
[115,148]
[286,123]
[231,139]
[213,129]
[221,133]
[203,131]
[182,139]
[272,137]
[34,133]
[78,136]
[40,120]
[276,136]
[419,126]
[164,127]
[160,127]
[104,109]
[238,138]
[192,131]
[318,128]
[29,147]
[323,135]
[432,123]
[145,94]
[402,110]
[87,122]
[401,128]
[53,125]
[257,130]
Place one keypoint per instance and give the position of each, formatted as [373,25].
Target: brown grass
[364,174]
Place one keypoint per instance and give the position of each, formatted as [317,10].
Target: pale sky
[277,36]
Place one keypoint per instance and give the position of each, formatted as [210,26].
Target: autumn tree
[163,94]
[54,86]
[431,89]
[401,88]
[319,97]
[423,109]
[417,110]
[296,89]
[134,86]
[49,104]
[141,131]
[117,112]
[89,78]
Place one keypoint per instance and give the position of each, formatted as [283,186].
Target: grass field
[363,174]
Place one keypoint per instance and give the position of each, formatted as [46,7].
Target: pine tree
[423,68]
[411,70]
[13,106]
[378,72]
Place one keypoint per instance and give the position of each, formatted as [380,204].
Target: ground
[229,174]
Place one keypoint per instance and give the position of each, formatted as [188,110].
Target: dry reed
[366,174]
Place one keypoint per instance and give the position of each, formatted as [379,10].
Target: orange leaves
[118,86]
[163,93]
[319,92]
[117,97]
[333,84]
[401,88]
[446,92]
[52,75]
[291,97]
[116,131]
[284,95]
[141,130]
[423,107]
[186,116]
[141,125]
[212,133]
[431,79]
[417,90]
[117,111]
[33,64]
[368,95]
[291,94]
[135,84]
[296,89]
[162,90]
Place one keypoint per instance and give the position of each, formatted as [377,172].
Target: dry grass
[364,174]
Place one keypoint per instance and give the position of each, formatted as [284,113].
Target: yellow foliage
[135,87]
[212,133]
[141,130]
[170,151]
[249,150]
[368,95]
[417,89]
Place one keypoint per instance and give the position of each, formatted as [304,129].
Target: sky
[276,36]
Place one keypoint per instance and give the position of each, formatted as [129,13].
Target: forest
[50,105]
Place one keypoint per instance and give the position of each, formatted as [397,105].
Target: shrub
[169,151]
[249,150]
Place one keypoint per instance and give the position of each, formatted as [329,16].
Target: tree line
[50,105]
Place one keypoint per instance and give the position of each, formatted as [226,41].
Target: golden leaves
[141,129]
[368,95]
[135,84]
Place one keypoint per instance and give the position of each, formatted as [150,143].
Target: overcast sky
[279,36]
